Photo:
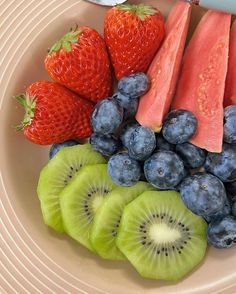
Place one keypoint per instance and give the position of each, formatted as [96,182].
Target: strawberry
[54,114]
[80,62]
[133,34]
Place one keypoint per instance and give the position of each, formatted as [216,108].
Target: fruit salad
[155,182]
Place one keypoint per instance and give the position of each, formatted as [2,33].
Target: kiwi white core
[161,233]
[97,201]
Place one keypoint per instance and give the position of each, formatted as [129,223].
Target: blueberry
[224,212]
[234,209]
[230,124]
[179,126]
[124,100]
[204,194]
[131,111]
[106,117]
[142,143]
[231,190]
[221,233]
[129,104]
[164,170]
[134,85]
[223,165]
[162,144]
[105,144]
[126,133]
[56,147]
[124,170]
[192,156]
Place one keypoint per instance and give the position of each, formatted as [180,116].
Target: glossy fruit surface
[134,85]
[160,237]
[126,133]
[142,143]
[202,80]
[164,69]
[124,170]
[105,144]
[227,210]
[222,233]
[223,165]
[179,126]
[230,124]
[133,34]
[54,114]
[204,194]
[164,170]
[192,156]
[79,61]
[129,104]
[106,117]
[230,85]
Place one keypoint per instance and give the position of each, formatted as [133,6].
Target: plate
[33,258]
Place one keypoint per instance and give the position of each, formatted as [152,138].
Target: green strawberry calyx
[65,42]
[141,10]
[29,103]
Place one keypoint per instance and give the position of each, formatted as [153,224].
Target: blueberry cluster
[110,114]
[135,152]
[206,181]
[212,194]
[155,155]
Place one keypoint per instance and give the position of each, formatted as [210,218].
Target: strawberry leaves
[29,103]
[66,41]
[141,10]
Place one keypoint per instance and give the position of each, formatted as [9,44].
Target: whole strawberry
[80,62]
[54,114]
[133,34]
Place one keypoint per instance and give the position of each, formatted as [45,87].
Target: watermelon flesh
[230,87]
[202,81]
[164,69]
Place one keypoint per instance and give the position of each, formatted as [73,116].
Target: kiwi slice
[81,198]
[57,174]
[160,236]
[107,219]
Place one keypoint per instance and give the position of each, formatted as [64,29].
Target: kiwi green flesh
[57,174]
[160,237]
[107,219]
[81,198]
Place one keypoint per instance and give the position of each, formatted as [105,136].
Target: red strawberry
[133,34]
[54,114]
[80,62]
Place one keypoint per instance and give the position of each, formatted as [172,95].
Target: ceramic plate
[33,258]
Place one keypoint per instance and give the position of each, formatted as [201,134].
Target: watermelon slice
[164,69]
[230,87]
[202,82]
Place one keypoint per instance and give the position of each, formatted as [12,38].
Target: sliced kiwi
[160,236]
[107,219]
[57,174]
[81,198]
